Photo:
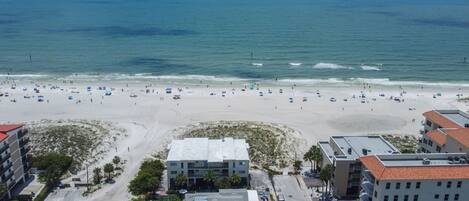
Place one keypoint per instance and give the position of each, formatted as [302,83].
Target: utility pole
[87,182]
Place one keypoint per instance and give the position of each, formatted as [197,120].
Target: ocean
[377,40]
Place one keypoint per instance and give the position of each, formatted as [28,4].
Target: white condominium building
[14,164]
[415,177]
[343,152]
[194,157]
[445,131]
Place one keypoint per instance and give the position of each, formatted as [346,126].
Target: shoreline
[195,80]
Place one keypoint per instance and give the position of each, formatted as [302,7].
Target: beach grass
[83,140]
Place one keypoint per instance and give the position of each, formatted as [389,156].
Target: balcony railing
[24,141]
[4,147]
[4,158]
[22,133]
[24,150]
[209,166]
[6,177]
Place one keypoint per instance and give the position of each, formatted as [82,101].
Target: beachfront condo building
[415,177]
[344,152]
[194,157]
[14,163]
[445,131]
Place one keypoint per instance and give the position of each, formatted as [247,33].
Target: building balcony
[7,176]
[4,158]
[4,147]
[22,133]
[368,176]
[208,166]
[364,197]
[25,150]
[23,141]
[367,187]
[202,174]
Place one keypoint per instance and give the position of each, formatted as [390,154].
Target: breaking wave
[330,66]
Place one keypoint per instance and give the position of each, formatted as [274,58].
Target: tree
[224,183]
[209,178]
[297,166]
[116,160]
[54,165]
[317,156]
[143,184]
[180,180]
[108,169]
[97,176]
[326,175]
[235,180]
[147,179]
[309,156]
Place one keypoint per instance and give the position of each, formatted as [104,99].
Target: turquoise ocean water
[388,40]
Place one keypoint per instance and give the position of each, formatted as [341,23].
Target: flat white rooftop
[433,159]
[210,150]
[353,147]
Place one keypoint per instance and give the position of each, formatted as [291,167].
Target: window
[436,196]
[446,197]
[386,198]
[376,194]
[417,186]
[439,183]
[424,141]
[242,172]
[173,164]
[174,172]
[182,165]
[396,198]
[438,148]
[416,197]
[448,185]
[430,143]
[242,163]
[388,185]
[377,182]
[459,184]
[406,197]
[398,185]
[456,197]
[407,185]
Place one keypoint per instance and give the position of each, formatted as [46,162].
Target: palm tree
[108,168]
[97,175]
[309,156]
[210,178]
[116,160]
[317,156]
[326,176]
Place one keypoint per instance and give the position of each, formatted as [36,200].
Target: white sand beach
[152,114]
